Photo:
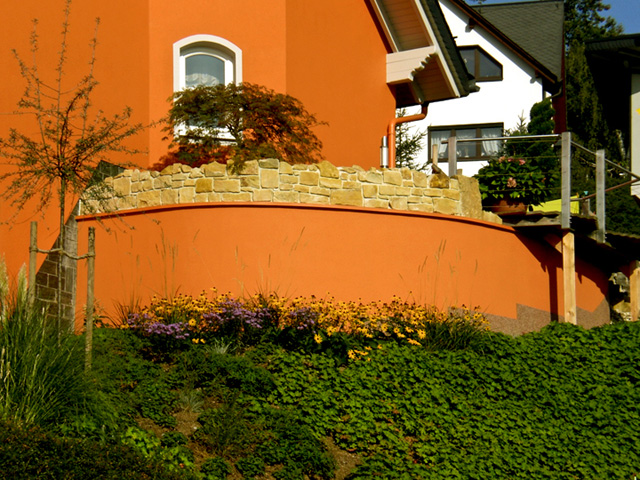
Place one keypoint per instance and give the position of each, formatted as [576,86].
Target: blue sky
[626,12]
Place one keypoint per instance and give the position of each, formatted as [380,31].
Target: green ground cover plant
[287,389]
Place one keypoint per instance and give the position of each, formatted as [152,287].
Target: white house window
[478,150]
[481,65]
[205,60]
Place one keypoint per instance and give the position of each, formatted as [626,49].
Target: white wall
[635,130]
[496,102]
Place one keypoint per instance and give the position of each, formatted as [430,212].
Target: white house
[515,52]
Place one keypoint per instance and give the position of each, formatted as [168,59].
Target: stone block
[288,197]
[347,197]
[195,173]
[370,191]
[263,196]
[419,179]
[432,192]
[226,185]
[175,184]
[286,168]
[163,181]
[201,198]
[136,187]
[439,180]
[291,179]
[320,191]
[286,187]
[204,185]
[302,188]
[250,168]
[250,182]
[269,163]
[236,197]
[406,173]
[398,203]
[169,196]
[214,197]
[190,182]
[332,183]
[470,198]
[126,203]
[403,191]
[387,190]
[421,207]
[135,175]
[491,217]
[328,170]
[150,198]
[314,199]
[309,178]
[351,185]
[122,185]
[452,194]
[186,195]
[446,206]
[269,178]
[392,177]
[214,169]
[145,175]
[171,169]
[376,203]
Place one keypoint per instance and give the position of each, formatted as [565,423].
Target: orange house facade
[351,63]
[334,55]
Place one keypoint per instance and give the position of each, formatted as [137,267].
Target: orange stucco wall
[350,253]
[328,53]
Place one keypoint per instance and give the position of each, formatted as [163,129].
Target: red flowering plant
[513,177]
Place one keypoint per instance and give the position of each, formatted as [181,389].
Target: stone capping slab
[272,180]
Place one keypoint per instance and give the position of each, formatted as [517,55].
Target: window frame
[478,134]
[478,51]
[211,45]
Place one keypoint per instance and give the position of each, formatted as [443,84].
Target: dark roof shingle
[537,27]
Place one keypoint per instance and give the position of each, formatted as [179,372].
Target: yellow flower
[192,322]
[317,338]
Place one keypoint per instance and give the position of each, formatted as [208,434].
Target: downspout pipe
[391,131]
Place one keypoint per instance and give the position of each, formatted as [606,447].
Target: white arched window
[205,60]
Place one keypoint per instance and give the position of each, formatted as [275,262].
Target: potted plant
[510,184]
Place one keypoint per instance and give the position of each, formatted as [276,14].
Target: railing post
[600,196]
[566,180]
[453,156]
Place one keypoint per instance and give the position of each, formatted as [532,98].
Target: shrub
[260,122]
[215,468]
[47,457]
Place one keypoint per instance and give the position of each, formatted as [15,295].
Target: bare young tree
[61,159]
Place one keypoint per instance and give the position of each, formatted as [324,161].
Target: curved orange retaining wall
[349,253]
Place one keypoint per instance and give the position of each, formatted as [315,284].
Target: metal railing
[566,144]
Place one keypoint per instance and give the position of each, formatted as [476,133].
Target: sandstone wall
[272,180]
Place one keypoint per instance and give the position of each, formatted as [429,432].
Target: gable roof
[538,27]
[533,30]
[423,64]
